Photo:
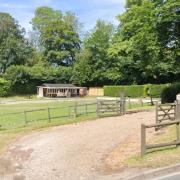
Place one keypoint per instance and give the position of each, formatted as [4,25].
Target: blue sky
[88,11]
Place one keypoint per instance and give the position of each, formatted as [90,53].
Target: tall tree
[93,64]
[14,49]
[59,38]
[147,42]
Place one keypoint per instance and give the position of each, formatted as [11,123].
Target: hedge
[135,90]
[4,87]
[156,89]
[168,95]
[131,91]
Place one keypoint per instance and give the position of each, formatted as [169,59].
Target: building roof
[58,85]
[64,86]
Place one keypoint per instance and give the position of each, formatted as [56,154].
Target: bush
[4,87]
[135,90]
[168,95]
[156,89]
[24,79]
[131,91]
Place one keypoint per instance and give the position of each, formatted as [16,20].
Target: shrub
[156,89]
[4,87]
[168,95]
[135,90]
[131,91]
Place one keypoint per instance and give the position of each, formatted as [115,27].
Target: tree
[93,64]
[146,44]
[14,49]
[59,38]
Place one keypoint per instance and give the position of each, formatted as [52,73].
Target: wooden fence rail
[104,107]
[145,146]
[165,112]
[47,114]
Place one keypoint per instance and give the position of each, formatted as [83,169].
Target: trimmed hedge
[4,87]
[131,91]
[156,89]
[168,95]
[135,90]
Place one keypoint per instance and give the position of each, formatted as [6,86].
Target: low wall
[96,91]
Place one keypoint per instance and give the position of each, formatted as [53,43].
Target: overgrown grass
[158,157]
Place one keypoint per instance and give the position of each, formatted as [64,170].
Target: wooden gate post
[143,140]
[129,102]
[177,133]
[177,111]
[75,110]
[49,115]
[157,112]
[25,118]
[97,106]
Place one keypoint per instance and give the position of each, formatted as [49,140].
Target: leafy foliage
[130,91]
[14,49]
[4,87]
[147,41]
[168,95]
[135,90]
[24,79]
[93,66]
[58,35]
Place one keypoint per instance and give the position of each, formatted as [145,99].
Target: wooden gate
[110,107]
[165,112]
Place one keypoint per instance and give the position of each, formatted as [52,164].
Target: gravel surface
[71,152]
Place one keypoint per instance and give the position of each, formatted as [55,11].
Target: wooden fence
[114,107]
[145,146]
[165,112]
[46,114]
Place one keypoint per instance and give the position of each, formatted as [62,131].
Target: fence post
[129,103]
[178,110]
[75,110]
[177,134]
[117,108]
[25,118]
[143,140]
[141,102]
[157,107]
[69,113]
[97,108]
[122,105]
[49,114]
[86,108]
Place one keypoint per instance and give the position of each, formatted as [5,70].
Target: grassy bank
[159,157]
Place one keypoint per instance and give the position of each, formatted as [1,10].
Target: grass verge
[160,157]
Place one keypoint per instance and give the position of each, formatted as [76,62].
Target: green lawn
[39,117]
[13,125]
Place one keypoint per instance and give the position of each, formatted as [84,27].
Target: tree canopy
[147,42]
[14,48]
[58,35]
[143,48]
[93,65]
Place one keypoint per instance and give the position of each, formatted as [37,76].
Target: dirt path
[80,151]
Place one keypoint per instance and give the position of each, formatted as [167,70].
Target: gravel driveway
[70,152]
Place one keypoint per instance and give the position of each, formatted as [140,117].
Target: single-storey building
[60,90]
